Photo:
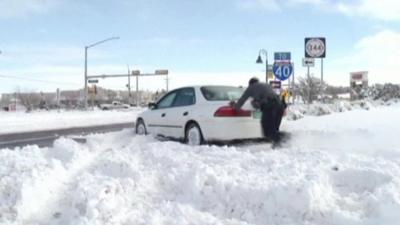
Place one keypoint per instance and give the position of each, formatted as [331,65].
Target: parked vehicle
[114,105]
[200,114]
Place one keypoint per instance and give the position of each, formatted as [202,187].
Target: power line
[38,80]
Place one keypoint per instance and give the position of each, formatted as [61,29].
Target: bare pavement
[46,137]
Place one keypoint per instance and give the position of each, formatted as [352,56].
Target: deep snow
[12,122]
[339,169]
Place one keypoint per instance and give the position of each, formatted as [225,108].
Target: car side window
[167,101]
[185,97]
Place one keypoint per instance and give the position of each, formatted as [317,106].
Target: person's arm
[242,99]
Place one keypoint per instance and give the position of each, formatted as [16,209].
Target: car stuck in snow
[199,114]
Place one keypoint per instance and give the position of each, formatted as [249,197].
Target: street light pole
[259,60]
[86,49]
[129,85]
[85,90]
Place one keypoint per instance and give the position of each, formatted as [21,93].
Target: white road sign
[308,62]
[315,47]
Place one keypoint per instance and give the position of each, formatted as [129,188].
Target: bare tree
[111,95]
[309,88]
[29,100]
[70,99]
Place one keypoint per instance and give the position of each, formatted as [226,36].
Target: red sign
[357,76]
[275,84]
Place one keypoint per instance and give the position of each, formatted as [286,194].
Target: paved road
[46,138]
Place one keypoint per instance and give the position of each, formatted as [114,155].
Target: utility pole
[322,79]
[58,99]
[129,86]
[85,91]
[137,90]
[167,82]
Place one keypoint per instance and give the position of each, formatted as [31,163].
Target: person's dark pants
[271,119]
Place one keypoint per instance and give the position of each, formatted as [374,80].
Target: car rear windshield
[221,93]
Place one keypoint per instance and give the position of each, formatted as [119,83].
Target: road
[47,137]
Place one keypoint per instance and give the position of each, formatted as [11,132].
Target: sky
[42,42]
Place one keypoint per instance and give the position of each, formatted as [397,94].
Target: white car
[200,114]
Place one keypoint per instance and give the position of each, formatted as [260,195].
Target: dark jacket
[262,95]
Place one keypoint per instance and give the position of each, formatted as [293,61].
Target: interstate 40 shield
[282,71]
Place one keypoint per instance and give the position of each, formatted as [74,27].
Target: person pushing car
[270,104]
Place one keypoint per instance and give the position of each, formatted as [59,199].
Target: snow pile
[298,111]
[340,169]
[12,122]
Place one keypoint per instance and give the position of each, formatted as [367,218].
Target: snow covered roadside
[340,169]
[11,122]
[299,110]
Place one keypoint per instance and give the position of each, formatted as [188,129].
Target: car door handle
[185,113]
[162,115]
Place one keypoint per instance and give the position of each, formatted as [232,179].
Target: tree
[111,95]
[29,100]
[309,89]
[384,92]
[335,91]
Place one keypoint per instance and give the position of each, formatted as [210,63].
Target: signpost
[315,47]
[275,84]
[358,83]
[161,72]
[308,62]
[282,71]
[282,66]
[282,56]
[93,81]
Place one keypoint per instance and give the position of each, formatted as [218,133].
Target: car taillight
[227,111]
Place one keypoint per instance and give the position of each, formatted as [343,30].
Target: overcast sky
[198,41]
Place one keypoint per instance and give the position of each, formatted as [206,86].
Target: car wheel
[140,128]
[193,135]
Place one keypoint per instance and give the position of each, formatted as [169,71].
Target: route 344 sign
[315,47]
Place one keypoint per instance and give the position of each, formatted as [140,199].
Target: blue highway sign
[282,56]
[282,71]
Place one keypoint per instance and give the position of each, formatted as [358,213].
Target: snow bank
[340,169]
[44,120]
[298,111]
[12,122]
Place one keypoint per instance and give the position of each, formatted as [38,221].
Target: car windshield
[221,93]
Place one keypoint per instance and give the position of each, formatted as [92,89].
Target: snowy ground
[11,122]
[339,169]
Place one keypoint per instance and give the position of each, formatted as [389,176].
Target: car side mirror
[152,105]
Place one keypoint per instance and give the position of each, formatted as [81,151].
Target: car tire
[193,135]
[140,127]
